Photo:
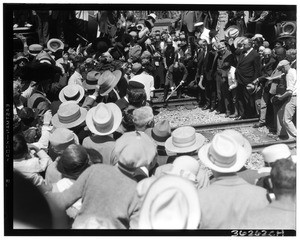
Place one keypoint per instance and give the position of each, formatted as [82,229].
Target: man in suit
[247,70]
[223,94]
[205,67]
[176,75]
[225,202]
[263,96]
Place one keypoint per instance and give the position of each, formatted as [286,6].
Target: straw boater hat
[238,40]
[232,31]
[91,80]
[171,202]
[223,154]
[184,139]
[71,92]
[275,152]
[104,119]
[108,80]
[20,58]
[55,44]
[69,115]
[34,49]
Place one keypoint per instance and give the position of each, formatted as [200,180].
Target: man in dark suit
[205,59]
[223,94]
[247,70]
[263,96]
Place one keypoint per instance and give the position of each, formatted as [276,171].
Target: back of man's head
[283,176]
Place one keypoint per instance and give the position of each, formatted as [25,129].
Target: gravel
[181,117]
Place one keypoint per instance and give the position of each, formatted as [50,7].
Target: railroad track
[157,100]
[257,139]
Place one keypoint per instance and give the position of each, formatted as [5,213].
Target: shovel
[173,92]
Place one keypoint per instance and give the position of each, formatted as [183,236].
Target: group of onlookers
[87,153]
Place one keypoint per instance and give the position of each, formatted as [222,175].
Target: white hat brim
[118,75]
[56,123]
[198,24]
[238,40]
[240,162]
[55,40]
[166,182]
[117,114]
[200,139]
[63,99]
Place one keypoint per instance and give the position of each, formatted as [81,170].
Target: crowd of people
[87,153]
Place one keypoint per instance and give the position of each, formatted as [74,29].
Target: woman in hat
[72,162]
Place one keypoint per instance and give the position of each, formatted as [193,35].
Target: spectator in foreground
[171,202]
[225,202]
[281,213]
[135,155]
[30,160]
[106,193]
[271,154]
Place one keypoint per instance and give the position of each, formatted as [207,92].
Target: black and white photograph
[146,119]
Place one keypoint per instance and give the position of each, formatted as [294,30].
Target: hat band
[184,144]
[161,138]
[92,82]
[107,85]
[104,127]
[70,118]
[74,97]
[34,51]
[212,156]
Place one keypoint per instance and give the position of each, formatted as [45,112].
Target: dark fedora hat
[101,44]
